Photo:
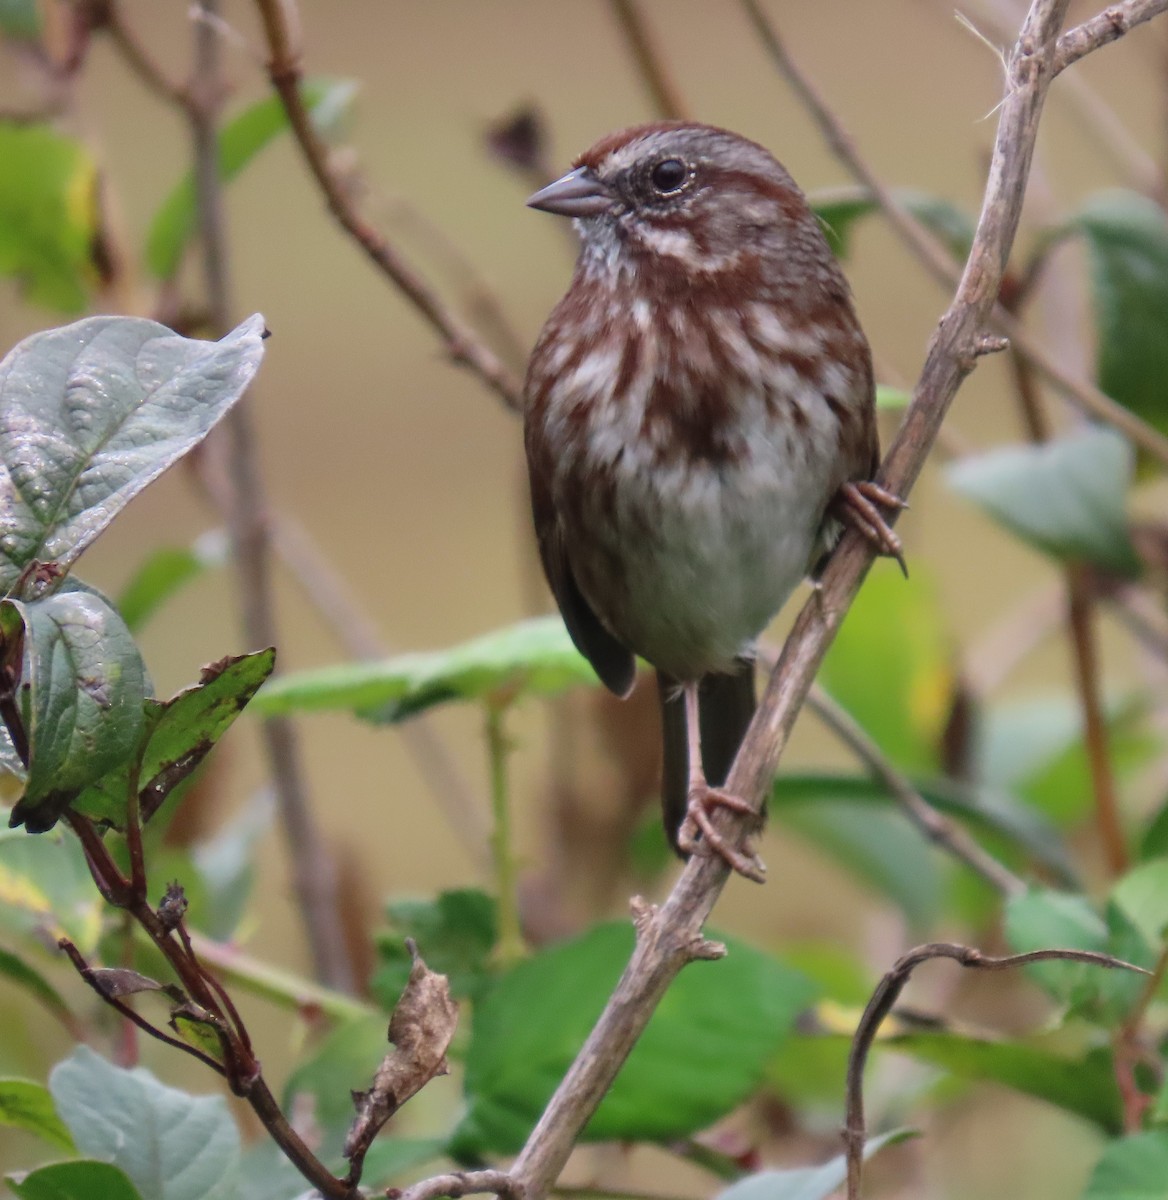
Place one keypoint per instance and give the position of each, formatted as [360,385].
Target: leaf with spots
[182,731]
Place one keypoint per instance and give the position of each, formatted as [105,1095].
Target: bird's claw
[697,822]
[856,504]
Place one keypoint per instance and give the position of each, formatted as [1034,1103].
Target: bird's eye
[668,175]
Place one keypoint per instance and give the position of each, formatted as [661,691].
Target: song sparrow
[700,419]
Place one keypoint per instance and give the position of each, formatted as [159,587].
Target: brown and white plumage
[694,405]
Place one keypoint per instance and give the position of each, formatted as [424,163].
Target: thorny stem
[511,944]
[462,343]
[888,992]
[313,867]
[667,97]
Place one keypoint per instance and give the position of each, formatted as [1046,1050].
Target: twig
[670,937]
[465,1183]
[937,260]
[462,343]
[1127,1050]
[666,95]
[888,992]
[138,59]
[1105,27]
[1080,608]
[937,828]
[87,974]
[313,868]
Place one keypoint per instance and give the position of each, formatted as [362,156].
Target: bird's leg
[703,798]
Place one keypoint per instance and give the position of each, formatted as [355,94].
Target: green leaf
[455,933]
[1142,896]
[27,1105]
[1065,497]
[1084,1086]
[1126,235]
[240,140]
[84,1179]
[1133,1168]
[83,684]
[46,891]
[807,1183]
[891,667]
[48,214]
[698,1058]
[534,657]
[182,732]
[92,413]
[890,398]
[19,18]
[165,573]
[879,847]
[173,1146]
[15,969]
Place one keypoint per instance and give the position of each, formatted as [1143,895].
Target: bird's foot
[697,831]
[856,504]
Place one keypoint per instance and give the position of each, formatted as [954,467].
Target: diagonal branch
[1103,28]
[670,936]
[933,825]
[463,344]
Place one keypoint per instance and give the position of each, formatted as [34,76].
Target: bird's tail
[726,704]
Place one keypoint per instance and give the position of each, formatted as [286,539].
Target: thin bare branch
[462,343]
[936,258]
[1105,27]
[138,59]
[937,828]
[888,992]
[313,867]
[465,1183]
[667,98]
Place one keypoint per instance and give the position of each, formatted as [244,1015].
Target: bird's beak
[577,194]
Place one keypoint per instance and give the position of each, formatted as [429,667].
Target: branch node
[705,948]
[990,343]
[643,912]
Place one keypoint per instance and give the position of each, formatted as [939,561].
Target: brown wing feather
[612,662]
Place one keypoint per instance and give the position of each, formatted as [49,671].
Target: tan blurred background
[408,472]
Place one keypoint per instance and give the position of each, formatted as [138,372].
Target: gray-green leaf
[1066,497]
[1127,250]
[92,413]
[173,1146]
